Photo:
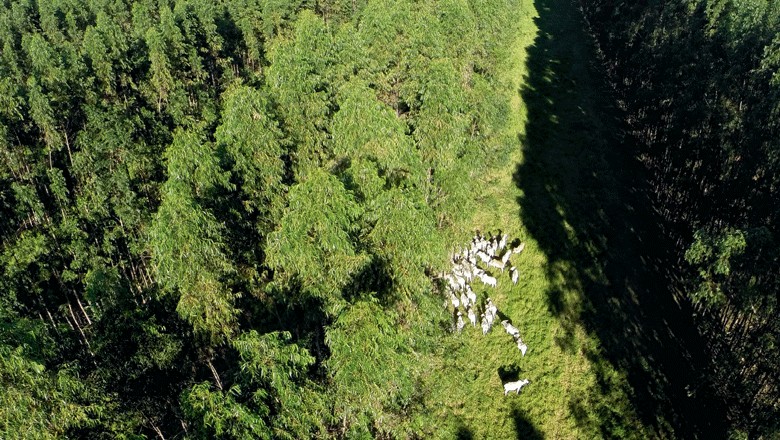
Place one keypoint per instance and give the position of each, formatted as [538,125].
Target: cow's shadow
[508,373]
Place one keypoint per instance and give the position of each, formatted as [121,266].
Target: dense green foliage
[700,84]
[220,219]
[223,219]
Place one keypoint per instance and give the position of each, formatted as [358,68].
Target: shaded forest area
[585,201]
[221,219]
[699,83]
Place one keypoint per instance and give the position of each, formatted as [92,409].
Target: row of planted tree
[699,82]
[221,218]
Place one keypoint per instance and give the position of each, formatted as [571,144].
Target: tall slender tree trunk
[217,381]
[81,307]
[81,331]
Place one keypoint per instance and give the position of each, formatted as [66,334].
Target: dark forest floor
[584,200]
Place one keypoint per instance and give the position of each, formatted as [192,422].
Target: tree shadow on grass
[585,202]
[525,430]
[464,433]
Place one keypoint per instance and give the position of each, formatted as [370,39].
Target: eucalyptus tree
[443,137]
[366,130]
[298,82]
[374,372]
[185,239]
[313,249]
[271,395]
[38,403]
[255,146]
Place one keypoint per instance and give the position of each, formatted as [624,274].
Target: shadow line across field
[585,202]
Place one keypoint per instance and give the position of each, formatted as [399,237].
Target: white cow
[459,324]
[502,242]
[515,386]
[472,316]
[519,248]
[487,279]
[492,248]
[512,330]
[485,325]
[521,346]
[471,295]
[464,299]
[491,308]
[461,282]
[498,264]
[514,274]
[454,300]
[469,277]
[505,257]
[451,281]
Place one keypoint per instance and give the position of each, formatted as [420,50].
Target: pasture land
[609,347]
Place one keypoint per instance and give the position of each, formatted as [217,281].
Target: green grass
[470,400]
[596,320]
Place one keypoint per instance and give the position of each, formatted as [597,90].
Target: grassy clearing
[470,398]
[573,390]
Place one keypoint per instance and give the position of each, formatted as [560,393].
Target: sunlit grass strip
[466,390]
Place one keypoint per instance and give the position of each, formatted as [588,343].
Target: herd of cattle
[474,262]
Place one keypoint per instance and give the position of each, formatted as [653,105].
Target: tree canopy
[217,218]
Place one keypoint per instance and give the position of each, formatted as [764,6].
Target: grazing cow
[491,308]
[519,248]
[471,295]
[502,242]
[464,299]
[521,346]
[515,386]
[453,284]
[512,330]
[483,256]
[459,324]
[472,316]
[487,279]
[505,257]
[514,274]
[490,312]
[468,273]
[498,264]
[461,282]
[490,318]
[485,325]
[454,300]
